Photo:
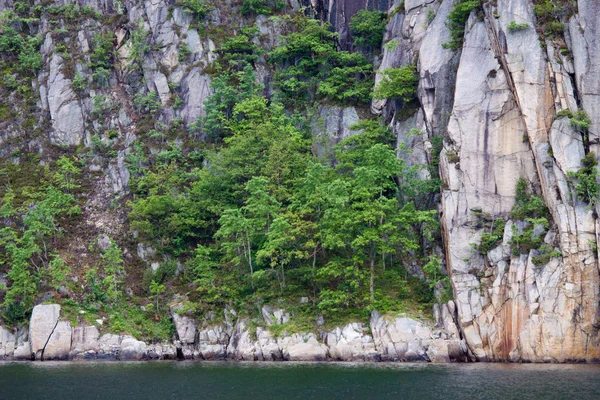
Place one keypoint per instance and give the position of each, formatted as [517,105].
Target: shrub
[149,102]
[79,82]
[367,28]
[398,83]
[586,180]
[456,22]
[264,7]
[491,240]
[197,8]
[526,204]
[513,26]
[544,255]
[554,28]
[184,52]
[580,121]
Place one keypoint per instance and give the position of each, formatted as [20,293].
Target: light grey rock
[59,344]
[44,319]
[275,316]
[23,352]
[186,328]
[351,343]
[109,346]
[195,88]
[585,42]
[332,125]
[65,111]
[304,347]
[84,338]
[7,344]
[132,349]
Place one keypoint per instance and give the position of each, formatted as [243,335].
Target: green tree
[114,271]
[398,83]
[58,271]
[367,27]
[157,290]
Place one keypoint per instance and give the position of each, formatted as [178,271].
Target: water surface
[329,381]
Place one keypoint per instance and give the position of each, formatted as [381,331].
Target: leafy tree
[112,262]
[367,28]
[197,8]
[457,20]
[58,271]
[585,180]
[264,7]
[398,83]
[66,174]
[157,289]
[309,65]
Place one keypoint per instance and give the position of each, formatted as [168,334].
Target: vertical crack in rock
[48,341]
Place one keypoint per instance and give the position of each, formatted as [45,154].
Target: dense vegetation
[236,208]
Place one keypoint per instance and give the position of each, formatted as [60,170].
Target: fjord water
[234,380]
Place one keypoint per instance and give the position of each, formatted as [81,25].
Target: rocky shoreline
[385,339]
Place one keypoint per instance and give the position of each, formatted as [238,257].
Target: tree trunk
[372,280]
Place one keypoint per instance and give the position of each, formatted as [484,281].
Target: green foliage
[513,26]
[114,271]
[66,174]
[102,56]
[157,290]
[20,47]
[367,28]
[149,102]
[391,45]
[433,270]
[143,325]
[457,20]
[239,52]
[29,245]
[526,204]
[184,52]
[544,255]
[79,82]
[580,121]
[264,7]
[533,211]
[197,8]
[138,46]
[310,67]
[228,90]
[491,240]
[585,180]
[58,271]
[398,83]
[549,13]
[430,15]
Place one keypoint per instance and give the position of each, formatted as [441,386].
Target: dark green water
[230,380]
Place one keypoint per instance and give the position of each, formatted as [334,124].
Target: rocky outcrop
[7,344]
[385,338]
[331,125]
[502,127]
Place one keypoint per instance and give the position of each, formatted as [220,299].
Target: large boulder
[186,328]
[300,350]
[44,319]
[7,343]
[23,352]
[132,349]
[84,342]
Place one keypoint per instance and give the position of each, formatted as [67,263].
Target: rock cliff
[504,105]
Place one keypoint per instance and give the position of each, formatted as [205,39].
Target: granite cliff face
[502,105]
